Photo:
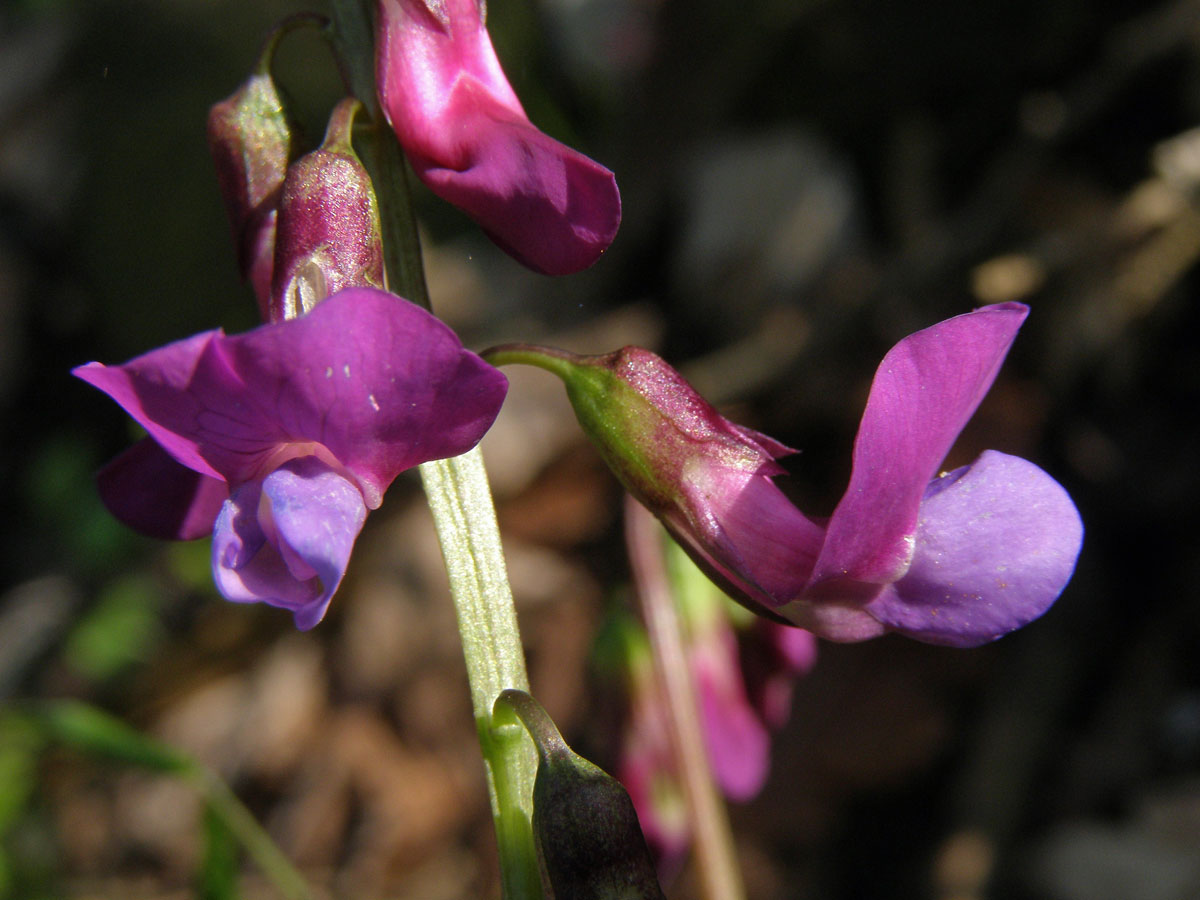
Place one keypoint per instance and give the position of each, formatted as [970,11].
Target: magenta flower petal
[469,140]
[924,391]
[996,544]
[376,383]
[739,748]
[744,533]
[146,489]
[159,389]
[286,540]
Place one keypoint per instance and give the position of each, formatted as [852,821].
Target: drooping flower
[299,427]
[469,140]
[959,559]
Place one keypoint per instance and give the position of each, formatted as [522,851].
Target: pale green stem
[466,525]
[461,502]
[716,860]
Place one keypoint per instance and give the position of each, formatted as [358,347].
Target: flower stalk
[716,859]
[461,503]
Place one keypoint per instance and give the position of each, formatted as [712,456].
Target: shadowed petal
[996,544]
[146,489]
[154,388]
[469,140]
[924,391]
[748,537]
[287,541]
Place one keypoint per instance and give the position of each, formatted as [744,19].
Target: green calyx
[636,439]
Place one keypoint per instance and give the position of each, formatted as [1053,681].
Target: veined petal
[286,540]
[146,489]
[190,401]
[469,140]
[924,391]
[377,382]
[744,533]
[996,544]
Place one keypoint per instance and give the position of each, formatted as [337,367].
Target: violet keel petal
[996,544]
[924,391]
[287,540]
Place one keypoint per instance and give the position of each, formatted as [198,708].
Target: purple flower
[960,559]
[469,140]
[297,429]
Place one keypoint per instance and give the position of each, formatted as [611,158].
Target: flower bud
[707,480]
[250,140]
[329,236]
[588,841]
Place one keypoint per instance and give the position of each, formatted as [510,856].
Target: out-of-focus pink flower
[469,140]
[297,429]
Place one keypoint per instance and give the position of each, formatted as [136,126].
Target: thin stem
[225,805]
[720,878]
[461,502]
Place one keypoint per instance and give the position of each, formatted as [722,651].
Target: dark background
[804,183]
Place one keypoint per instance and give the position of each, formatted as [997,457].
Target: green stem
[466,524]
[460,500]
[225,805]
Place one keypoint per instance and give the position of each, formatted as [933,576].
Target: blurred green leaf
[90,730]
[118,631]
[191,563]
[219,868]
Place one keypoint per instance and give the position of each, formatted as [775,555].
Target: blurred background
[804,183]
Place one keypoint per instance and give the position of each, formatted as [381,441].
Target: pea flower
[297,428]
[959,559]
[469,140]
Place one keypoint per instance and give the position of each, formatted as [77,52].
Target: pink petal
[924,391]
[470,141]
[739,748]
